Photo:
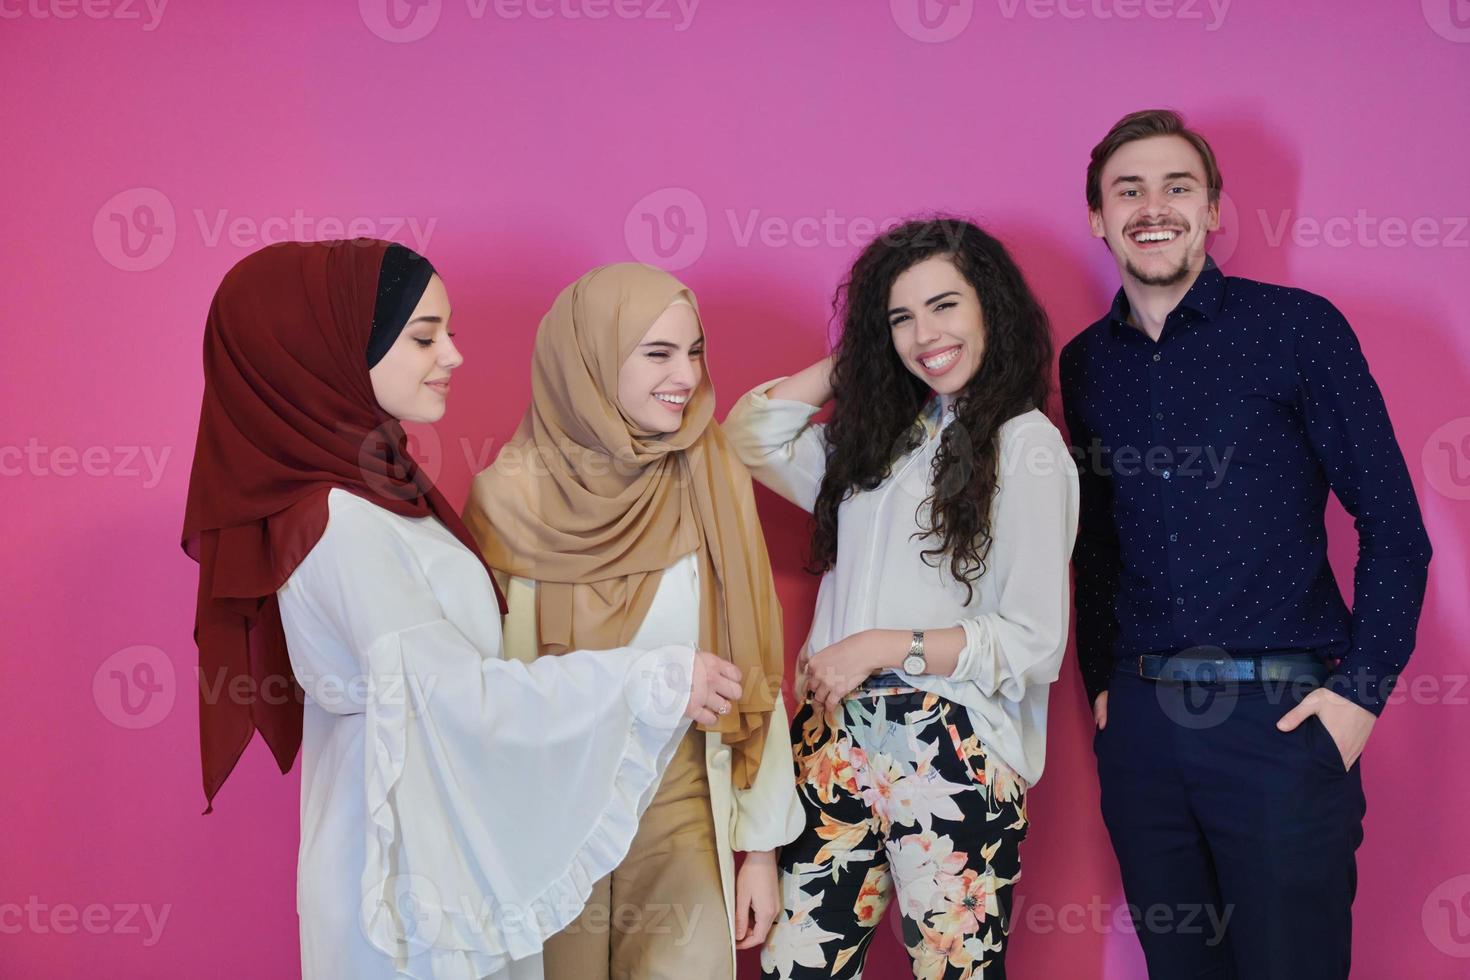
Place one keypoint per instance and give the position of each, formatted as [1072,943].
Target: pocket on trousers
[1323,746]
[959,739]
[986,771]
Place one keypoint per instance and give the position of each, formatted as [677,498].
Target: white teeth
[941,360]
[1155,236]
[673,399]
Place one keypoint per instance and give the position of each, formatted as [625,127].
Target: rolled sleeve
[777,441]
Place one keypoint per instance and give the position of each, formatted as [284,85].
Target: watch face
[913,665]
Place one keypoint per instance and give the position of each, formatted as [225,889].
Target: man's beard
[1162,279]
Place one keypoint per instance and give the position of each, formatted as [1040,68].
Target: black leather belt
[1272,668]
[881,683]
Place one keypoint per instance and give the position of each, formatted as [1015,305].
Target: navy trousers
[1236,841]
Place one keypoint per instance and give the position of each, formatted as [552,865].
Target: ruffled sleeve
[497,792]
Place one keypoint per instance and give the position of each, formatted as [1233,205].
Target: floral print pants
[901,799]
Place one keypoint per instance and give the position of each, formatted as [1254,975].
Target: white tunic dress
[456,807]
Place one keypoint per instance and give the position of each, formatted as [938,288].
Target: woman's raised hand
[812,384]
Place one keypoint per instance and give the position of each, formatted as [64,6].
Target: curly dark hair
[878,402]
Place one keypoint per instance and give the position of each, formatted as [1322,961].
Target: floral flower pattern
[903,802]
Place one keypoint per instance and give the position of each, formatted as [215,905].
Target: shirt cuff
[1095,676]
[978,640]
[1366,684]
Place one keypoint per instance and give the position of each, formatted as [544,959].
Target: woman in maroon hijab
[343,609]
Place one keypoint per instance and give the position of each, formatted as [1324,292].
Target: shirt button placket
[1166,495]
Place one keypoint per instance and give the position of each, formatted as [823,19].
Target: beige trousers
[661,914]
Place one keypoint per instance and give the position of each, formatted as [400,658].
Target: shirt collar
[938,412]
[1206,297]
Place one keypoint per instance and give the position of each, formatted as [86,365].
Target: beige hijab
[594,508]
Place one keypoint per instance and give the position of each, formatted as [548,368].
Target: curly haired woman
[944,509]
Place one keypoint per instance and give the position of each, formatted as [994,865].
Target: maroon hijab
[288,413]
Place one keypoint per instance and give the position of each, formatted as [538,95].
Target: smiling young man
[1232,688]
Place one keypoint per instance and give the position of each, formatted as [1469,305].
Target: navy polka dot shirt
[1205,459]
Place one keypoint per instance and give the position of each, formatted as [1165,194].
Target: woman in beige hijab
[622,517]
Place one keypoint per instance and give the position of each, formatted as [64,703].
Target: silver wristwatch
[913,661]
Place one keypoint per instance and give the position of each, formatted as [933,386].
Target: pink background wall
[520,142]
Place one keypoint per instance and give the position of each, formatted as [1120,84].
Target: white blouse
[673,616]
[1015,626]
[456,807]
